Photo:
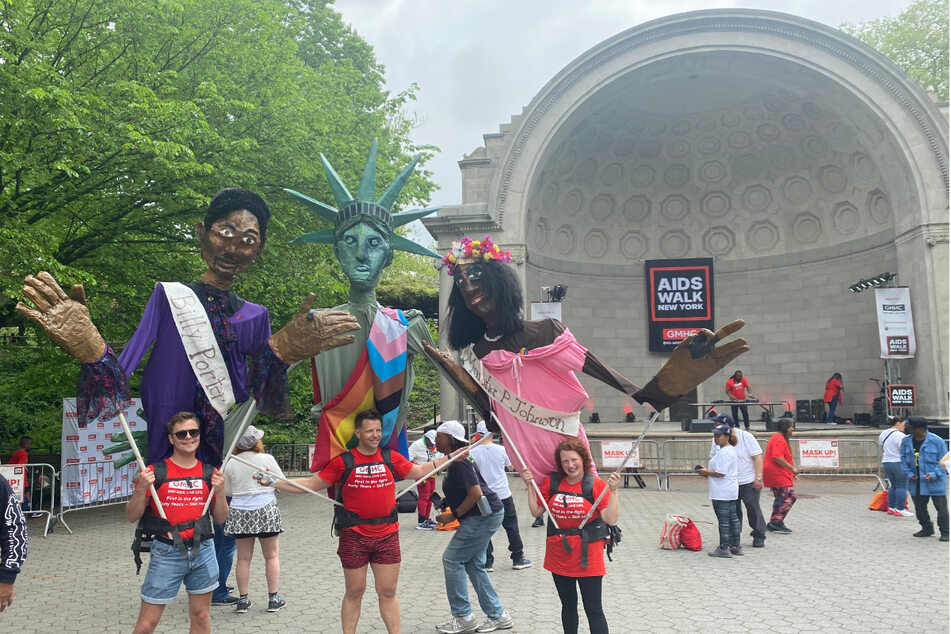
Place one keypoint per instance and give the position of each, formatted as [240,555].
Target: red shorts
[356,550]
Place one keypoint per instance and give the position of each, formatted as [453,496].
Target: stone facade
[798,158]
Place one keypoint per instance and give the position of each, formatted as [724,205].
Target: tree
[119,120]
[916,40]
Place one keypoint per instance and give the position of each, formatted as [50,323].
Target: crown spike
[389,196]
[368,182]
[340,191]
[324,211]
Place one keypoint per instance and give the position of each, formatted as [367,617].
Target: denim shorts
[167,570]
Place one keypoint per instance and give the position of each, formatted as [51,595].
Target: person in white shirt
[749,477]
[890,440]
[420,451]
[491,459]
[724,491]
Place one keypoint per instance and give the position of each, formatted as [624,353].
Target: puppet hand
[121,443]
[311,332]
[456,371]
[696,359]
[65,319]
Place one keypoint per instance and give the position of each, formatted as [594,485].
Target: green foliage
[119,120]
[916,40]
[410,282]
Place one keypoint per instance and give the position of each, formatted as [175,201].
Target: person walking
[749,478]
[254,516]
[724,491]
[420,451]
[480,514]
[738,389]
[833,395]
[890,440]
[576,561]
[492,462]
[921,454]
[779,474]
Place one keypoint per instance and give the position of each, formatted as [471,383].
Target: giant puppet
[201,335]
[527,368]
[376,370]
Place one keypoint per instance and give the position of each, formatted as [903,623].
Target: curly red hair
[573,444]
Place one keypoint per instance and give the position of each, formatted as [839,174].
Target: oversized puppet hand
[121,443]
[311,332]
[456,371]
[65,319]
[696,359]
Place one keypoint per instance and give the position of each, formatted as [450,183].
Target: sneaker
[242,605]
[759,542]
[275,603]
[778,528]
[426,525]
[458,624]
[539,521]
[720,552]
[489,568]
[736,550]
[892,511]
[229,600]
[501,622]
[904,513]
[521,564]
[943,538]
[924,532]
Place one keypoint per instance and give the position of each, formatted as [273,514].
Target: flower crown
[468,251]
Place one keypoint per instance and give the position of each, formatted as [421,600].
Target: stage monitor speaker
[818,410]
[699,425]
[804,411]
[862,418]
[772,424]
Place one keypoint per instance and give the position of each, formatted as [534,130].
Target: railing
[650,460]
[40,496]
[292,458]
[681,456]
[112,486]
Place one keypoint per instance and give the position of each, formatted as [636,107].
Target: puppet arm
[450,370]
[311,332]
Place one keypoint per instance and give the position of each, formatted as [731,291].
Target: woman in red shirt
[569,505]
[833,395]
[779,474]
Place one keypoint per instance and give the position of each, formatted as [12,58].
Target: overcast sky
[478,62]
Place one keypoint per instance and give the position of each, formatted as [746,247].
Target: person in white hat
[492,462]
[254,515]
[424,450]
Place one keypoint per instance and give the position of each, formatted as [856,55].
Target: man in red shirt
[22,456]
[369,526]
[179,556]
[738,389]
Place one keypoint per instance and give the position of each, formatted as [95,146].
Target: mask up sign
[680,300]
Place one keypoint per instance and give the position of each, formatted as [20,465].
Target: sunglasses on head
[182,434]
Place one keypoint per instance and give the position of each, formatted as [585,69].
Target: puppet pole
[462,452]
[634,445]
[518,455]
[283,479]
[139,460]
[234,443]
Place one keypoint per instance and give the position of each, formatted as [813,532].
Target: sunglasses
[182,434]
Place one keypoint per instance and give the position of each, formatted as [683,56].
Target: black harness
[345,518]
[594,530]
[153,527]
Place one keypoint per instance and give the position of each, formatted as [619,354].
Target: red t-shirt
[20,456]
[833,388]
[737,389]
[182,500]
[569,510]
[774,475]
[370,491]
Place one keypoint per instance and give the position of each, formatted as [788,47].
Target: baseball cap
[482,429]
[722,428]
[431,436]
[725,419]
[453,428]
[250,437]
[917,422]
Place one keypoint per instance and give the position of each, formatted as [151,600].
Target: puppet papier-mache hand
[444,358]
[311,332]
[64,318]
[696,359]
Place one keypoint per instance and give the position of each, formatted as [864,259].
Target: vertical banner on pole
[679,300]
[896,327]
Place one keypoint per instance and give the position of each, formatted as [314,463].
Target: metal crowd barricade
[681,456]
[83,475]
[292,458]
[41,494]
[649,457]
[857,459]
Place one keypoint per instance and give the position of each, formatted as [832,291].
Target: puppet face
[229,245]
[363,253]
[469,280]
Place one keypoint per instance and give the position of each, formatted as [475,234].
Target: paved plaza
[844,568]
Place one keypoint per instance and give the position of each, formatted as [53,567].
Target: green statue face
[363,252]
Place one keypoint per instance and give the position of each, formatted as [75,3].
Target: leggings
[590,598]
[783,499]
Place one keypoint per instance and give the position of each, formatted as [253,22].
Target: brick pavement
[844,568]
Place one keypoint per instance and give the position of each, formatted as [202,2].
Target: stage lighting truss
[879,280]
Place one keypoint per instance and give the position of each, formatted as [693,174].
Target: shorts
[168,569]
[356,550]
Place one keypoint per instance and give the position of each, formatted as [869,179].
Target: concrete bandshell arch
[819,221]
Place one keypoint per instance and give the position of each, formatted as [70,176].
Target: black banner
[901,395]
[679,300]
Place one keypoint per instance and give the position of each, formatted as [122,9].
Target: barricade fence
[681,456]
[39,489]
[292,458]
[86,485]
[649,459]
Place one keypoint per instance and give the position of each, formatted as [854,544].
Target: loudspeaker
[818,410]
[772,424]
[804,411]
[699,425]
[862,418]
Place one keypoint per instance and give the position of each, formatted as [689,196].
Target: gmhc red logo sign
[678,334]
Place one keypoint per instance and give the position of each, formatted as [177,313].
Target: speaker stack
[804,412]
[698,425]
[818,410]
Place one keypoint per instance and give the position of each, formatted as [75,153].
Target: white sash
[532,413]
[200,344]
